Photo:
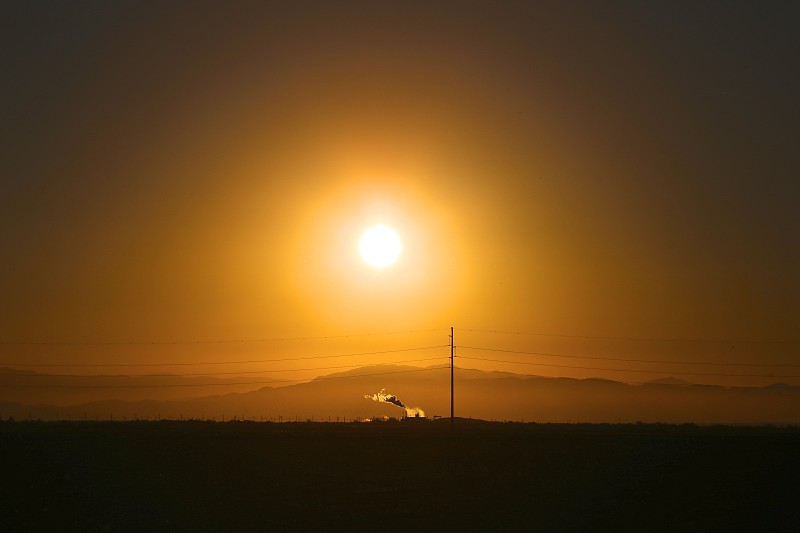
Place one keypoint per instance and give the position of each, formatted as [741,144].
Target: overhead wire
[630,360]
[198,363]
[207,374]
[128,386]
[631,370]
[217,341]
[381,352]
[644,339]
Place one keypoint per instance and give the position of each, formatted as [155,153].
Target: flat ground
[246,476]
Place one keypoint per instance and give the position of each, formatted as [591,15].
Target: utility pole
[452,368]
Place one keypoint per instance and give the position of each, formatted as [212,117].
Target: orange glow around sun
[369,252]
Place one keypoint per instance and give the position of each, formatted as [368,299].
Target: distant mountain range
[25,386]
[341,396]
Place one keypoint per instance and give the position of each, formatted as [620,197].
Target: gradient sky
[201,171]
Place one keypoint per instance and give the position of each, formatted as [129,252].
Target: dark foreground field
[245,476]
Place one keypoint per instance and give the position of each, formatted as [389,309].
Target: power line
[373,353]
[645,339]
[239,373]
[103,365]
[598,358]
[139,386]
[632,370]
[219,341]
[402,332]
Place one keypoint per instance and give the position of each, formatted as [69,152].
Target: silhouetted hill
[25,386]
[783,387]
[669,381]
[482,395]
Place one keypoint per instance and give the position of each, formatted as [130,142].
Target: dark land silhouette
[397,476]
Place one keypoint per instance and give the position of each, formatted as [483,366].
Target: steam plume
[383,397]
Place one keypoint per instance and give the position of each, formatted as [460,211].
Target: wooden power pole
[452,368]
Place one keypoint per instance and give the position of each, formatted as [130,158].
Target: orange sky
[202,172]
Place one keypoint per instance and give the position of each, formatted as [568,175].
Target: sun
[380,246]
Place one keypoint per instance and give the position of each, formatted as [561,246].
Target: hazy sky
[202,171]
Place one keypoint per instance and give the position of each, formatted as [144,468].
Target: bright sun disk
[380,246]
